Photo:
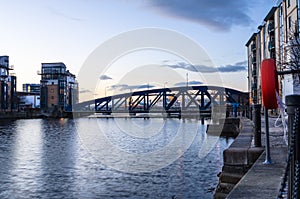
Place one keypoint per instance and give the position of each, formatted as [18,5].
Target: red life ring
[269,83]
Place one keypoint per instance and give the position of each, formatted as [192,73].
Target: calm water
[55,159]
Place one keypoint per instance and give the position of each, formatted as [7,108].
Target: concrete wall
[238,159]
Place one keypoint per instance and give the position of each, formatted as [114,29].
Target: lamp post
[187,79]
[165,84]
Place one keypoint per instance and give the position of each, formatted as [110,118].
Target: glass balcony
[271,44]
[254,86]
[271,27]
[254,72]
[253,47]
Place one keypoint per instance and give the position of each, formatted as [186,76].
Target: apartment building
[29,98]
[59,89]
[31,88]
[279,27]
[8,86]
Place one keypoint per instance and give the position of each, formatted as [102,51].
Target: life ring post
[269,86]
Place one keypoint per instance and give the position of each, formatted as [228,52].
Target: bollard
[268,156]
[292,103]
[235,109]
[257,124]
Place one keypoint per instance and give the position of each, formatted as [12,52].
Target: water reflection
[59,157]
[7,142]
[46,159]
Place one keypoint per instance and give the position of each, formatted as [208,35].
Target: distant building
[59,89]
[279,27]
[30,96]
[31,88]
[29,100]
[8,87]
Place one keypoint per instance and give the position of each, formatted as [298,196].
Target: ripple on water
[46,159]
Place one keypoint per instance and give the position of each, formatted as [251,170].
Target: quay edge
[237,159]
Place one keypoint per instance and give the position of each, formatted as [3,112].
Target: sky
[35,32]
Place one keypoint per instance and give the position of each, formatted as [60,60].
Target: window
[62,91]
[288,3]
[289,22]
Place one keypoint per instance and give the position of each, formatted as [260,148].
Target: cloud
[118,87]
[237,67]
[123,87]
[56,12]
[85,91]
[215,14]
[104,77]
[189,83]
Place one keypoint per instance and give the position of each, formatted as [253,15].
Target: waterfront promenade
[263,180]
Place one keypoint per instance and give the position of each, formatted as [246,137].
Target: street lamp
[187,79]
[165,84]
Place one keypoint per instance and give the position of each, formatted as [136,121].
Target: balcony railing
[271,27]
[254,86]
[271,44]
[253,59]
[253,47]
[254,73]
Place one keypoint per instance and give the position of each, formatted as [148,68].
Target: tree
[290,59]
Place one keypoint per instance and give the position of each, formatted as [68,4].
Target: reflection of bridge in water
[192,101]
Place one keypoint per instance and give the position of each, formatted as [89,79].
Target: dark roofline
[251,39]
[54,63]
[270,14]
[22,93]
[260,27]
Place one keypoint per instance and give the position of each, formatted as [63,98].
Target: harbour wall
[237,159]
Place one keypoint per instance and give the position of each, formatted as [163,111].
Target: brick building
[59,89]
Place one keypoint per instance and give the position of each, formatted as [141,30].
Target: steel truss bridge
[177,101]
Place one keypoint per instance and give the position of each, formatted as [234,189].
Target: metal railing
[291,179]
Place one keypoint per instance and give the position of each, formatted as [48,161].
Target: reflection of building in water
[8,86]
[59,88]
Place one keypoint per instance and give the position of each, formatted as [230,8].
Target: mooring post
[293,103]
[235,109]
[257,124]
[268,156]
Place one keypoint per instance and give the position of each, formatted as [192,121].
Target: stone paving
[264,180]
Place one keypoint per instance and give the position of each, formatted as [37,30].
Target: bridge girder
[196,98]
